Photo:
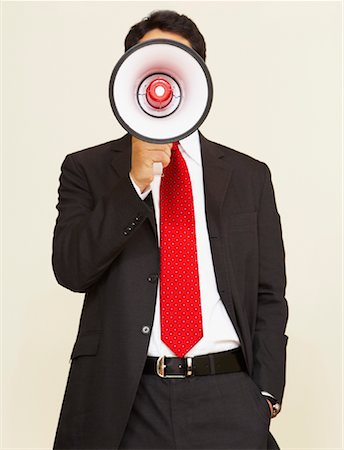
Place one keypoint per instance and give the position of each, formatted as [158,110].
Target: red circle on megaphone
[159,93]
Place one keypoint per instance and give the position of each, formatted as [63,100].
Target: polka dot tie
[180,302]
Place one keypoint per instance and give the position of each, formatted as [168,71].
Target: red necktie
[180,302]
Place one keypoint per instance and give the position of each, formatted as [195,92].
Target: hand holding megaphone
[147,160]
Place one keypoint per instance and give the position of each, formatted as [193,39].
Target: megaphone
[160,91]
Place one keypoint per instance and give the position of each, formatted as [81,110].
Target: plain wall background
[276,68]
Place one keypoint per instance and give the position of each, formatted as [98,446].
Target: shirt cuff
[267,394]
[143,194]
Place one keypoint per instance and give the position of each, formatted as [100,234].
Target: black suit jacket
[105,245]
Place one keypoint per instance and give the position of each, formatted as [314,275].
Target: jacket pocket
[261,404]
[86,345]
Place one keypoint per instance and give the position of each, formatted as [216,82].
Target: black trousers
[206,412]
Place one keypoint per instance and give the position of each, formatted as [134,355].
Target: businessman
[181,342]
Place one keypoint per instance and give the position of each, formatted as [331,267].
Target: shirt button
[145,329]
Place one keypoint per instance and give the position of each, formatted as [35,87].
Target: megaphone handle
[157,169]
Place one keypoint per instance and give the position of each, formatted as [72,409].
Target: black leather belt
[211,364]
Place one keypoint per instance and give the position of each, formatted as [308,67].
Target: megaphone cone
[160,91]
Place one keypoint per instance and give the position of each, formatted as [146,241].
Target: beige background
[277,74]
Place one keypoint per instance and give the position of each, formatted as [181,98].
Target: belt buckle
[161,366]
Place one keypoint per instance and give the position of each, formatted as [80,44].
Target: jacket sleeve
[269,341]
[90,235]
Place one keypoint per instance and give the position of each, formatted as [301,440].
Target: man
[181,339]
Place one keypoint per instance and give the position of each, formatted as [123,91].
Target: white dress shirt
[218,331]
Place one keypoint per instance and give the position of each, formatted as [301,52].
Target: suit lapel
[121,156]
[216,175]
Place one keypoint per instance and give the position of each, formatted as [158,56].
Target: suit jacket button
[152,278]
[145,329]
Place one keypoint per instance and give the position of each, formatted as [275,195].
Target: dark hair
[167,21]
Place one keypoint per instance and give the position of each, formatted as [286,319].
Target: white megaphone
[160,91]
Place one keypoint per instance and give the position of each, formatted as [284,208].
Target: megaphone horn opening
[190,81]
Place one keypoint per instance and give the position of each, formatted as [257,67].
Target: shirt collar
[191,147]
